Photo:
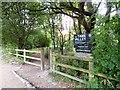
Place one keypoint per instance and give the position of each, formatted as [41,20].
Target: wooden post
[42,59]
[50,59]
[48,51]
[91,76]
[16,53]
[54,62]
[24,55]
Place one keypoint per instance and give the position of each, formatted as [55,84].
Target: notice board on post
[82,43]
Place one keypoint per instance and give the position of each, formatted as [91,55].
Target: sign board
[82,44]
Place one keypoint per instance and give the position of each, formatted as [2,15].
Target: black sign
[82,44]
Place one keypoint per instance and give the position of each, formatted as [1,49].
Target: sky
[67,23]
[102,8]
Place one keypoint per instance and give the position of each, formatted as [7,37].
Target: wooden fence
[90,71]
[54,63]
[41,59]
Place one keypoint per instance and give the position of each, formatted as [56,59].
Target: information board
[82,43]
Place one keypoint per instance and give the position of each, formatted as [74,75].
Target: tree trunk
[62,44]
[69,36]
[53,37]
[21,44]
[74,25]
[79,27]
[108,11]
[61,49]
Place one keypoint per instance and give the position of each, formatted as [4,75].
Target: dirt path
[33,74]
[38,78]
[7,78]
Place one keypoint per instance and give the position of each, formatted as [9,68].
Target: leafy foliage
[40,40]
[74,63]
[19,23]
[25,25]
[106,51]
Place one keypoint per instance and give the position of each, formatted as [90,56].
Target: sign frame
[82,43]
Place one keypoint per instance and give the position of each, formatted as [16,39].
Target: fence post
[16,53]
[24,55]
[50,59]
[48,51]
[91,76]
[54,61]
[42,59]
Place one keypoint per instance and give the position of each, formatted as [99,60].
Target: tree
[18,23]
[106,51]
[85,17]
[108,11]
[77,10]
[52,23]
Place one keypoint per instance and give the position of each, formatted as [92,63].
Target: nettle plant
[106,51]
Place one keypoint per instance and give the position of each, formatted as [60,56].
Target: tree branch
[97,7]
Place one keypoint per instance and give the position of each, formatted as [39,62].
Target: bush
[106,51]
[39,40]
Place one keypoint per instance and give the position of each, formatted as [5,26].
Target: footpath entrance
[36,70]
[62,61]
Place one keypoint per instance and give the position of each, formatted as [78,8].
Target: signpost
[82,44]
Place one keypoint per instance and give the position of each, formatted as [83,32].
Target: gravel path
[7,78]
[40,79]
[33,74]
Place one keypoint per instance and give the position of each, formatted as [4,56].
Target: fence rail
[39,59]
[77,58]
[54,63]
[30,57]
[90,71]
[27,51]
[69,76]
